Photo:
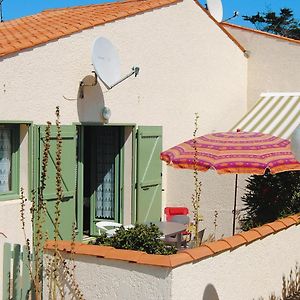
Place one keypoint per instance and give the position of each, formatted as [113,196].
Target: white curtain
[107,148]
[105,194]
[5,159]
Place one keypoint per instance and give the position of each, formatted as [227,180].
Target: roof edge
[267,34]
[222,27]
[13,49]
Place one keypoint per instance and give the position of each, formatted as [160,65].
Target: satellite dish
[106,62]
[215,8]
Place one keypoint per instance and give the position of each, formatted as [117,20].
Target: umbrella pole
[234,206]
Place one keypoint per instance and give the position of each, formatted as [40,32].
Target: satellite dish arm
[1,13]
[235,14]
[134,71]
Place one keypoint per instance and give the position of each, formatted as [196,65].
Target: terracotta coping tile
[169,261]
[199,252]
[218,246]
[235,240]
[94,250]
[79,248]
[61,245]
[264,230]
[288,221]
[154,260]
[184,256]
[276,225]
[121,254]
[250,235]
[180,259]
[296,218]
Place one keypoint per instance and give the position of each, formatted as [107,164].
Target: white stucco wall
[187,65]
[114,280]
[245,273]
[217,197]
[248,272]
[273,64]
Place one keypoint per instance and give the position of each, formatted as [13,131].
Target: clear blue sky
[17,8]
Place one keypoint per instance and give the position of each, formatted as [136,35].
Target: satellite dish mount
[106,63]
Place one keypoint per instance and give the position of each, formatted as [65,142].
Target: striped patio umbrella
[233,152]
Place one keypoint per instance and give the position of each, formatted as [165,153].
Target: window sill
[9,196]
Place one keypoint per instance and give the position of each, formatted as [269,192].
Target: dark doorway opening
[102,175]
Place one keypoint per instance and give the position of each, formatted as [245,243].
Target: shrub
[269,197]
[141,237]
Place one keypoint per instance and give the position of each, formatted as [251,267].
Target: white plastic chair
[110,227]
[104,226]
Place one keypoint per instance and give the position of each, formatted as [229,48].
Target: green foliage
[141,237]
[283,24]
[269,197]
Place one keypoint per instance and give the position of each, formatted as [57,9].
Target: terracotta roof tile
[52,24]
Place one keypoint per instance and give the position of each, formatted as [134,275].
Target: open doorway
[103,175]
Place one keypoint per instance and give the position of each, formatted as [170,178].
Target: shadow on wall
[210,293]
[90,107]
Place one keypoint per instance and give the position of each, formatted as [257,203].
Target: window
[9,161]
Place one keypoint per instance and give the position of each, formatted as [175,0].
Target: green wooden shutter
[149,169]
[68,167]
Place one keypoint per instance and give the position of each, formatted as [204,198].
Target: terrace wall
[248,265]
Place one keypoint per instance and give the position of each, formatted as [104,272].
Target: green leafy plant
[141,238]
[269,197]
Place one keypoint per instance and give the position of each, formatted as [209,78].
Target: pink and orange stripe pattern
[233,152]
